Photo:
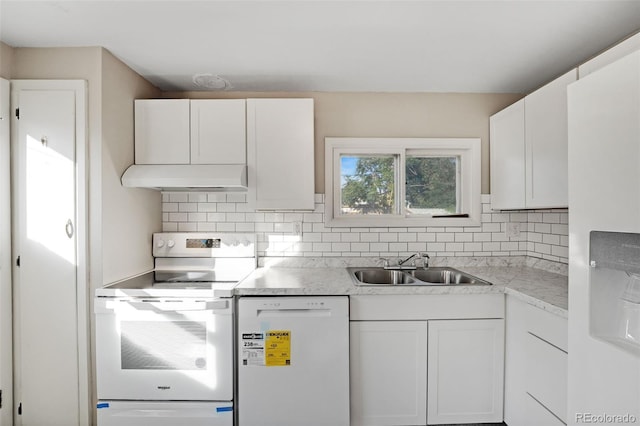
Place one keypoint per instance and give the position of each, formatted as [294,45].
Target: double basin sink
[429,276]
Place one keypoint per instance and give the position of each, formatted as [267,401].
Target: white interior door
[45,302]
[6,411]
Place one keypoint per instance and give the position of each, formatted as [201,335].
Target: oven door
[164,349]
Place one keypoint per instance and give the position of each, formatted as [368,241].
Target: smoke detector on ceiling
[212,82]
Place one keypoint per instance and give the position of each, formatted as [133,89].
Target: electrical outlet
[513,230]
[297,228]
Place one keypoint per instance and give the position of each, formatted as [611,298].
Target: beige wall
[129,215]
[392,115]
[115,243]
[6,61]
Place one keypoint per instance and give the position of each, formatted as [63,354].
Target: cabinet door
[465,371]
[162,131]
[280,151]
[507,157]
[515,362]
[537,414]
[547,375]
[388,373]
[546,144]
[218,131]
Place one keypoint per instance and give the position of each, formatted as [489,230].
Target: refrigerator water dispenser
[615,289]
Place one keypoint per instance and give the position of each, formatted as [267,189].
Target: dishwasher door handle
[283,312]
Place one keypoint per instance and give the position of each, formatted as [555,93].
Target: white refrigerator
[604,195]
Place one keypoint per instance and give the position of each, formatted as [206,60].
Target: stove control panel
[203,244]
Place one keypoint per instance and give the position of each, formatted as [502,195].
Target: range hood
[187,177]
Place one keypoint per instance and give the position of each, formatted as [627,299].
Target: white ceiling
[388,46]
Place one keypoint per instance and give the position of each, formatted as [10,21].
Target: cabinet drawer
[547,326]
[426,307]
[546,378]
[538,415]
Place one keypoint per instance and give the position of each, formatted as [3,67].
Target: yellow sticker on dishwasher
[277,348]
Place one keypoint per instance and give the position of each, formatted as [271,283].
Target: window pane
[367,184]
[432,185]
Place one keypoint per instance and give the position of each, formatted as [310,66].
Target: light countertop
[532,281]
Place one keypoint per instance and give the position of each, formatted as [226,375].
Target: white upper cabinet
[609,56]
[183,131]
[280,154]
[529,150]
[546,144]
[162,131]
[507,157]
[218,131]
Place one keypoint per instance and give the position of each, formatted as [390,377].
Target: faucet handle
[425,260]
[385,262]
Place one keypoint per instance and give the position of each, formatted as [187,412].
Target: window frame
[467,149]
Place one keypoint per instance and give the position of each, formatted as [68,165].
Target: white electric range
[164,339]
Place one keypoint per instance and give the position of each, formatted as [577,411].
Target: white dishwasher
[293,361]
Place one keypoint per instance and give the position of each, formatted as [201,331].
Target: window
[402,182]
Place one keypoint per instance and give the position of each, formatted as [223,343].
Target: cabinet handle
[68,228]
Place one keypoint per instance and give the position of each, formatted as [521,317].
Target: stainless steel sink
[429,276]
[382,276]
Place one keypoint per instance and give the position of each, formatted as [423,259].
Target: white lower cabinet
[535,366]
[465,371]
[426,359]
[388,373]
[538,415]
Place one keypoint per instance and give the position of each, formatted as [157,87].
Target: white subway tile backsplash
[178,217]
[329,237]
[197,197]
[216,217]
[472,247]
[463,237]
[370,237]
[169,207]
[398,247]
[245,227]
[443,237]
[408,237]
[389,237]
[187,207]
[226,227]
[379,247]
[322,247]
[340,247]
[551,239]
[234,197]
[179,197]
[313,217]
[207,227]
[350,237]
[226,207]
[187,227]
[359,247]
[543,233]
[207,207]
[417,247]
[428,237]
[217,197]
[481,236]
[197,217]
[491,227]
